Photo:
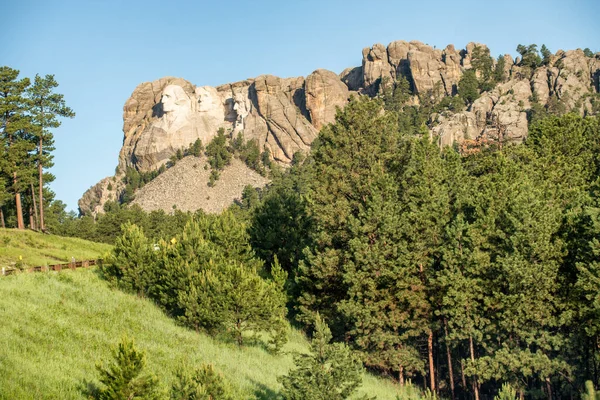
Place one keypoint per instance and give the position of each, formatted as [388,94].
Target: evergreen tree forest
[461,272]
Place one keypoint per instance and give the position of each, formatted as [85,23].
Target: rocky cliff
[284,115]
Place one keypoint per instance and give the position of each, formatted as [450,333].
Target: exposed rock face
[427,68]
[284,115]
[93,200]
[288,130]
[324,93]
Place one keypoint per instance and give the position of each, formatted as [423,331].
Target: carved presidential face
[208,99]
[174,98]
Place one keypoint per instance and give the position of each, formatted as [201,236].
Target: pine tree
[329,372]
[16,130]
[217,152]
[382,325]
[516,229]
[129,265]
[546,54]
[123,379]
[468,87]
[204,383]
[424,215]
[341,161]
[46,107]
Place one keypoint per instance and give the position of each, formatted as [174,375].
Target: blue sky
[101,50]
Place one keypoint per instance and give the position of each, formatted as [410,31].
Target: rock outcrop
[284,115]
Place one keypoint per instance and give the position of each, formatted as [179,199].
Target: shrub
[123,379]
[128,264]
[331,371]
[217,152]
[203,383]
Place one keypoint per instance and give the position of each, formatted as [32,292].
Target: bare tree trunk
[431,367]
[20,223]
[31,219]
[2,218]
[462,374]
[41,183]
[450,372]
[549,388]
[401,376]
[37,218]
[475,383]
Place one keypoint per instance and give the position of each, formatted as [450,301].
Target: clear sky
[100,50]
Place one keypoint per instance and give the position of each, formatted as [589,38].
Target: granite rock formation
[284,115]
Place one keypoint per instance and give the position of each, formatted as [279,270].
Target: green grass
[37,249]
[57,325]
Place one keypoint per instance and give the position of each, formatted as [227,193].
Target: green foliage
[590,392]
[127,265]
[343,158]
[17,138]
[587,52]
[506,393]
[499,74]
[529,56]
[217,151]
[451,103]
[135,180]
[196,148]
[396,95]
[249,153]
[213,178]
[204,383]
[207,277]
[329,372]
[482,63]
[546,54]
[468,87]
[45,108]
[122,378]
[280,224]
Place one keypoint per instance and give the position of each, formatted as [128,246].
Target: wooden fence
[56,267]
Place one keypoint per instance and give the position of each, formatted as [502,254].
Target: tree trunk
[462,374]
[20,223]
[35,210]
[475,384]
[41,183]
[549,388]
[401,376]
[449,355]
[31,219]
[431,367]
[2,218]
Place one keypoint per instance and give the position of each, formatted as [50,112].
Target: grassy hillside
[57,325]
[40,249]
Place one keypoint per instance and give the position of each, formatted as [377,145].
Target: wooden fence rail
[56,267]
